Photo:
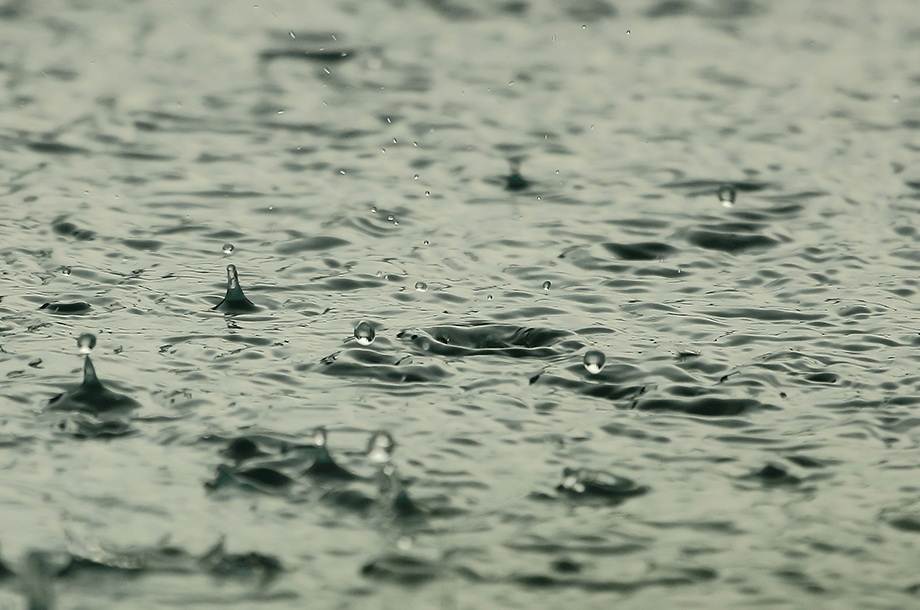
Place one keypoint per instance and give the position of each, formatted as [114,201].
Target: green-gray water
[720,196]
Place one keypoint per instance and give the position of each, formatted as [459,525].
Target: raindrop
[547,284]
[319,437]
[727,195]
[628,32]
[489,298]
[594,361]
[373,209]
[365,333]
[421,286]
[380,447]
[391,218]
[65,270]
[426,243]
[86,342]
[228,248]
[427,193]
[415,177]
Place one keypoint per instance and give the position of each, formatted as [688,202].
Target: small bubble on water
[727,195]
[364,333]
[65,271]
[86,342]
[547,285]
[380,447]
[594,361]
[228,248]
[421,286]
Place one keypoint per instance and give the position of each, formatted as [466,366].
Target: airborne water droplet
[364,333]
[594,361]
[380,447]
[65,270]
[228,248]
[421,286]
[727,195]
[86,342]
[547,284]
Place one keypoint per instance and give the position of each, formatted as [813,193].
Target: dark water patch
[84,426]
[589,10]
[709,406]
[234,301]
[92,397]
[593,485]
[64,228]
[55,148]
[679,577]
[318,55]
[771,475]
[730,241]
[381,366]
[826,377]
[149,245]
[496,339]
[65,309]
[767,315]
[402,568]
[643,251]
[905,523]
[696,188]
[139,156]
[310,244]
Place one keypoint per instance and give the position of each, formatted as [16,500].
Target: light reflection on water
[637,310]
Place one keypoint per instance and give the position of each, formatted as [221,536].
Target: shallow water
[496,189]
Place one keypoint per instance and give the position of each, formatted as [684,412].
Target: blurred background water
[719,196]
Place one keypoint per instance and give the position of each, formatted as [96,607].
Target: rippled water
[441,210]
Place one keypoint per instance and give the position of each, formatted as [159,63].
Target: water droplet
[426,243]
[65,270]
[86,342]
[594,361]
[415,177]
[628,32]
[427,193]
[319,437]
[228,248]
[391,218]
[373,209]
[547,284]
[727,195]
[489,298]
[365,333]
[380,447]
[421,286]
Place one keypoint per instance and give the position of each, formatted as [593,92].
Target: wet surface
[632,285]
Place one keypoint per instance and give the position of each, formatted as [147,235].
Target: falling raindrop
[364,333]
[594,361]
[426,243]
[86,342]
[727,195]
[547,284]
[421,286]
[380,447]
[415,177]
[489,298]
[65,270]
[228,248]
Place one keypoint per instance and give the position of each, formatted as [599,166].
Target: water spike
[89,374]
[235,301]
[323,466]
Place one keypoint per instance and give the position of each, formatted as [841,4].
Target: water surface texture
[438,212]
